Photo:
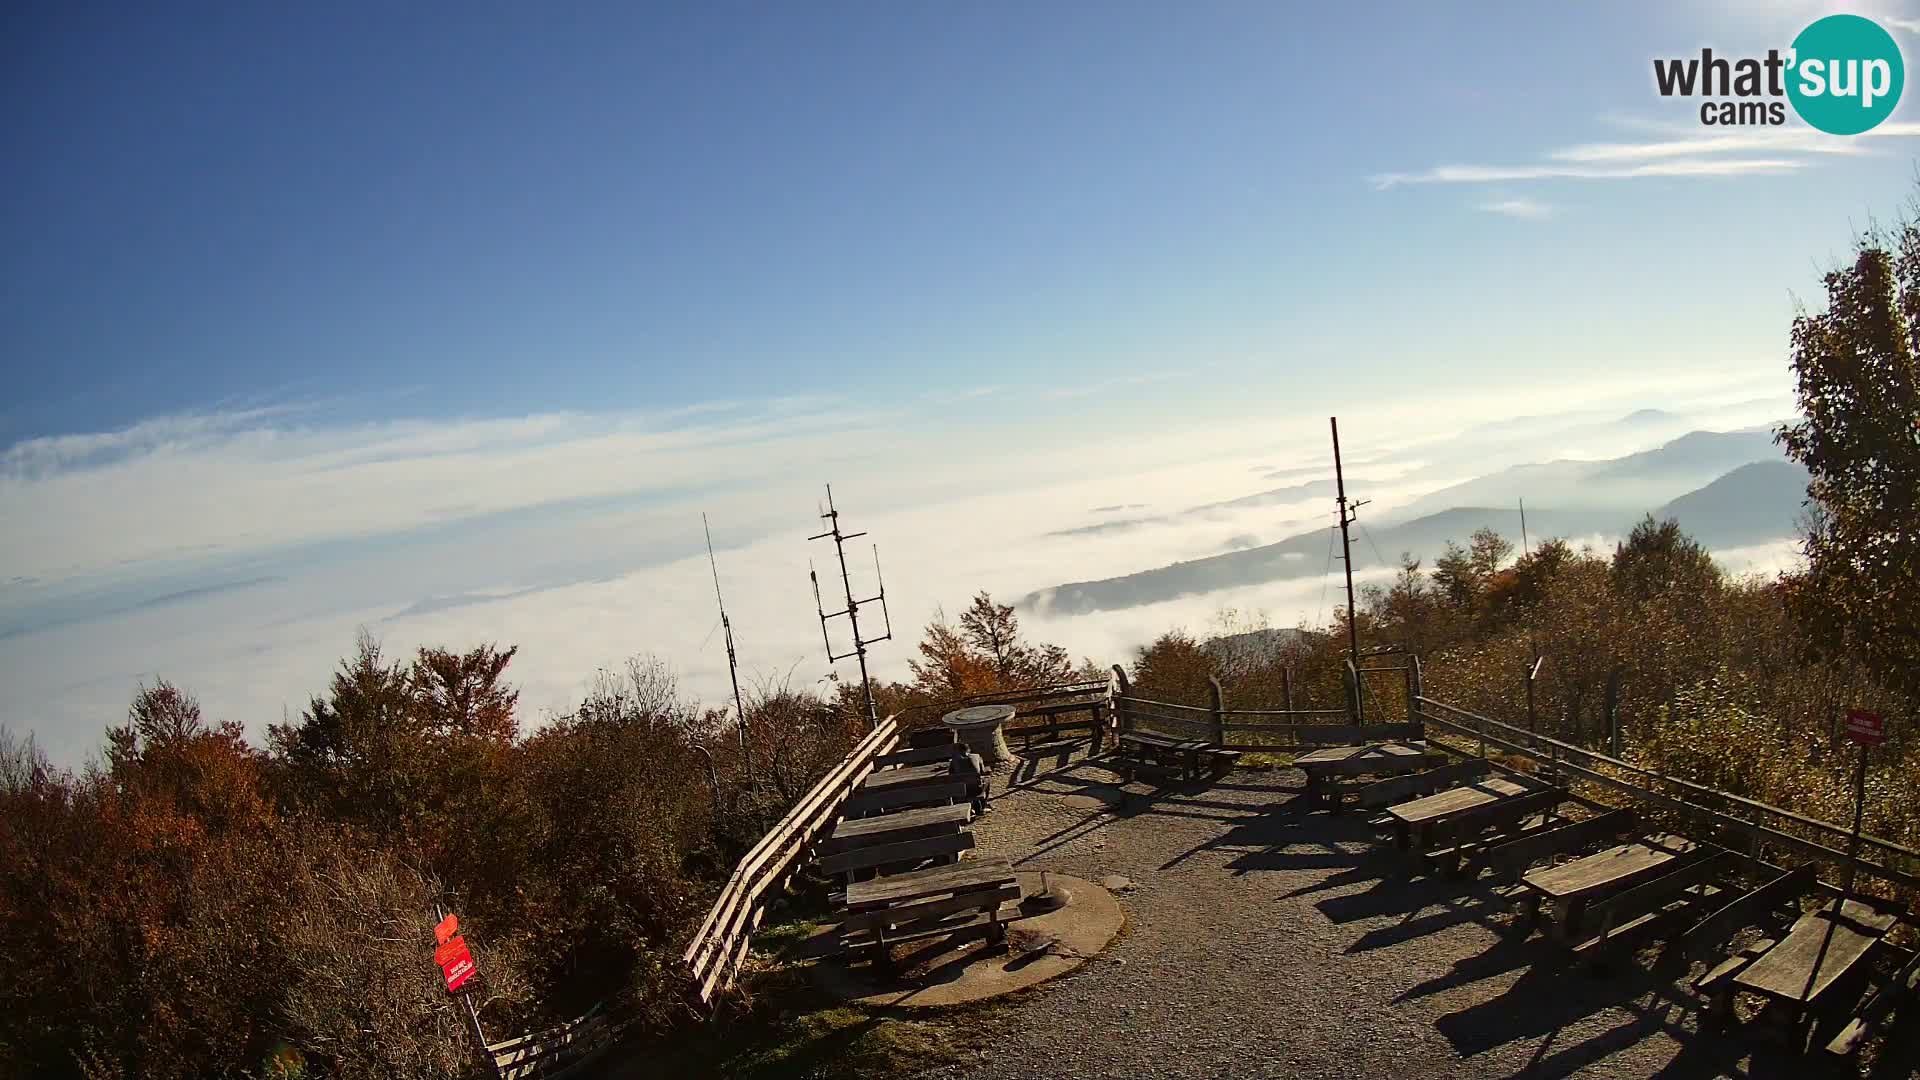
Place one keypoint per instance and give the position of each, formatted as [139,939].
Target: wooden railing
[555,1052]
[721,942]
[1729,815]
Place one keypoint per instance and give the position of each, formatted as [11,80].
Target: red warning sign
[456,963]
[1866,728]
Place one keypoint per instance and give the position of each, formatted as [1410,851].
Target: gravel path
[1262,941]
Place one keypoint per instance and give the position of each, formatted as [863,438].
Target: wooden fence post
[1533,718]
[1612,709]
[1351,676]
[1219,712]
[1415,691]
[1286,682]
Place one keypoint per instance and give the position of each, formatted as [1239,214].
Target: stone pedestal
[978,729]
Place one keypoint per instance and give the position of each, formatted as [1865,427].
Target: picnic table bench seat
[969,898]
[1169,757]
[1049,721]
[1468,809]
[1571,886]
[1389,759]
[1838,938]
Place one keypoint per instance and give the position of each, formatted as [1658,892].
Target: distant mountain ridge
[1751,502]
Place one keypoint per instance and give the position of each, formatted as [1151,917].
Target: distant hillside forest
[197,905]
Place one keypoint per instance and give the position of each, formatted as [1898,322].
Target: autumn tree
[1859,438]
[1462,575]
[985,653]
[1657,559]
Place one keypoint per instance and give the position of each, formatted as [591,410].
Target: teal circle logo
[1846,74]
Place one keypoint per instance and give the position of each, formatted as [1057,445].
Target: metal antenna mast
[852,610]
[733,660]
[1347,515]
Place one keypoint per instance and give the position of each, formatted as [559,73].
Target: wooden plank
[1336,734]
[1725,970]
[924,755]
[1707,935]
[1378,764]
[1469,822]
[907,776]
[1512,858]
[1783,974]
[930,847]
[1657,893]
[1395,789]
[898,888]
[990,897]
[1492,789]
[956,929]
[889,828]
[1905,986]
[901,797]
[1616,867]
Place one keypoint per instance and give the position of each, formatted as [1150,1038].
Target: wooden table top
[959,877]
[1168,742]
[1615,866]
[882,779]
[1782,972]
[1466,797]
[863,831]
[1386,757]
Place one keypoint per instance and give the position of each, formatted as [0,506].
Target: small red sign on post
[456,963]
[444,932]
[1865,728]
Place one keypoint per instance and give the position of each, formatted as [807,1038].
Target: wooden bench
[951,777]
[1374,759]
[1899,992]
[887,840]
[1647,909]
[1836,938]
[1352,734]
[1171,758]
[1395,789]
[1572,885]
[972,898]
[1706,937]
[1513,858]
[1049,721]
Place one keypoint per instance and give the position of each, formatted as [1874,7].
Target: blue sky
[386,306]
[494,210]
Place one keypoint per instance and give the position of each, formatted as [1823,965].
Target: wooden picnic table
[1785,973]
[892,828]
[967,899]
[1415,820]
[1571,885]
[1375,759]
[1146,745]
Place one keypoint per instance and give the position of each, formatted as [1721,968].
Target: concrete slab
[1038,948]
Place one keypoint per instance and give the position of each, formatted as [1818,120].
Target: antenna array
[851,612]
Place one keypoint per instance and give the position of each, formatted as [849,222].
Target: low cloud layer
[237,555]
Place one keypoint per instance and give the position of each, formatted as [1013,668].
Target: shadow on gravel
[1553,994]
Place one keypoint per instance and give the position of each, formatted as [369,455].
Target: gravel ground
[1262,941]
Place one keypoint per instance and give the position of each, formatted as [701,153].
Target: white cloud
[1787,149]
[1518,208]
[1483,174]
[1911,26]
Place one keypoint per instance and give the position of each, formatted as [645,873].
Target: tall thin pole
[1346,540]
[1525,547]
[852,612]
[733,661]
